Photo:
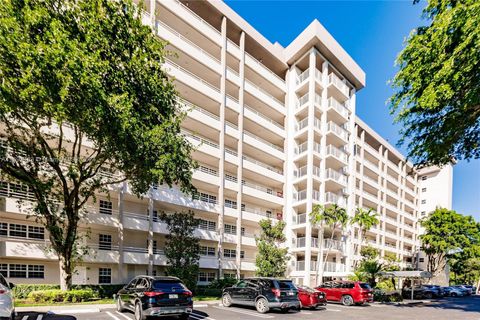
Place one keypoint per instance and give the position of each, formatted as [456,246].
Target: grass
[27,303]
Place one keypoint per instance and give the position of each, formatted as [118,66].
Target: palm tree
[372,269]
[332,216]
[365,220]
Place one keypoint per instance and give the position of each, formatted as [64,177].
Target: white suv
[7,309]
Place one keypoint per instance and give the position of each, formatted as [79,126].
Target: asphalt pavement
[467,308]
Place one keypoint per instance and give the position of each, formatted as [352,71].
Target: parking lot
[449,309]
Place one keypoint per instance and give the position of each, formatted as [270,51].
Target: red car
[347,292]
[311,298]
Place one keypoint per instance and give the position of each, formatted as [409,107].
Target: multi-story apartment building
[276,133]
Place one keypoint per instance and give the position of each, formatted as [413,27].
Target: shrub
[102,291]
[383,296]
[21,291]
[222,283]
[206,291]
[57,295]
[385,285]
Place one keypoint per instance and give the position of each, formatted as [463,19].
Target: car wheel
[226,300]
[139,312]
[428,295]
[347,300]
[262,305]
[119,305]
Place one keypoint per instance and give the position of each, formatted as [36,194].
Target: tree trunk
[328,252]
[319,255]
[66,272]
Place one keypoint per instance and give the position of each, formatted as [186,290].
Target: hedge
[57,295]
[102,291]
[383,296]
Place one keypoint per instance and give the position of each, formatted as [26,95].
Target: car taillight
[188,293]
[276,292]
[153,293]
[3,291]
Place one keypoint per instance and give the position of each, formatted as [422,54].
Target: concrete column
[351,180]
[221,167]
[241,102]
[153,4]
[310,135]
[150,232]
[121,209]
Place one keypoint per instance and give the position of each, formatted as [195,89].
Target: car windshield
[286,285]
[365,286]
[168,285]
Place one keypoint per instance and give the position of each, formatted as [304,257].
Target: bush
[383,296]
[57,295]
[222,283]
[206,291]
[101,291]
[21,291]
[385,285]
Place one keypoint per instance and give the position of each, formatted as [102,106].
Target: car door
[327,289]
[236,291]
[7,296]
[251,291]
[336,291]
[140,287]
[125,293]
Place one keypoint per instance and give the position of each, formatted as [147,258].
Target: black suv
[263,293]
[155,296]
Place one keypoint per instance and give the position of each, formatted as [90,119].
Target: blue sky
[372,32]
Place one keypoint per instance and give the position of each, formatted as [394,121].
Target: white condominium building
[276,133]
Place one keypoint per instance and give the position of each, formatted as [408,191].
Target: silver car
[7,309]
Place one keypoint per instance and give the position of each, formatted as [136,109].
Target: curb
[88,308]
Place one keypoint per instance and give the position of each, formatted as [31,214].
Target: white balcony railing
[339,131]
[301,124]
[339,107]
[336,176]
[302,101]
[334,267]
[300,218]
[263,140]
[301,242]
[336,152]
[337,82]
[331,197]
[264,117]
[303,76]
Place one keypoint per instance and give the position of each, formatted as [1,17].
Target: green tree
[333,217]
[182,248]
[447,233]
[271,260]
[369,253]
[365,220]
[83,96]
[438,85]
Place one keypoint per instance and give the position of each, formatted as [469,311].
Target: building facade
[276,133]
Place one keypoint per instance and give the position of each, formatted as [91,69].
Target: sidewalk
[406,302]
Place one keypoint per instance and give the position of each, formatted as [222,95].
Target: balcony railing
[263,140]
[188,105]
[336,152]
[174,65]
[300,218]
[264,67]
[262,164]
[337,82]
[334,267]
[336,176]
[300,266]
[303,76]
[331,197]
[264,117]
[302,101]
[318,75]
[263,212]
[339,131]
[301,124]
[333,244]
[301,242]
[302,195]
[264,91]
[339,107]
[274,192]
[207,170]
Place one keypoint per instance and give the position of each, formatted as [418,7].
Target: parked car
[454,292]
[7,309]
[311,298]
[155,296]
[347,292]
[263,293]
[465,288]
[422,292]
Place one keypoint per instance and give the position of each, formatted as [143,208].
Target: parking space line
[123,315]
[245,312]
[307,313]
[25,318]
[112,316]
[40,317]
[335,310]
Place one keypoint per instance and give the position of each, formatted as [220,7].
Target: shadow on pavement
[466,304]
[43,316]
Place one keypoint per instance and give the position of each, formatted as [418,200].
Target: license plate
[290,293]
[173,296]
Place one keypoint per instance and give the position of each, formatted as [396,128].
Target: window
[230,276]
[421,260]
[207,225]
[105,207]
[3,229]
[205,197]
[424,213]
[154,215]
[229,253]
[104,275]
[4,269]
[18,230]
[206,276]
[36,271]
[424,201]
[36,232]
[242,231]
[18,271]
[242,254]
[230,228]
[207,251]
[424,189]
[231,204]
[424,178]
[105,242]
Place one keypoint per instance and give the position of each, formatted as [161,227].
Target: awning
[406,274]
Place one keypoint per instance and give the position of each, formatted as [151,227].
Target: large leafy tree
[333,217]
[365,220]
[437,96]
[271,260]
[83,93]
[447,234]
[182,248]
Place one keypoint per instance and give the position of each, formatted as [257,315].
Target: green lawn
[27,303]
[205,298]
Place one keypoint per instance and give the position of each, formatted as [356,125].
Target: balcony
[301,242]
[25,248]
[337,153]
[302,77]
[304,147]
[338,131]
[339,89]
[301,102]
[269,147]
[264,96]
[334,267]
[260,118]
[301,124]
[302,195]
[330,244]
[265,72]
[300,266]
[336,176]
[300,218]
[339,108]
[332,198]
